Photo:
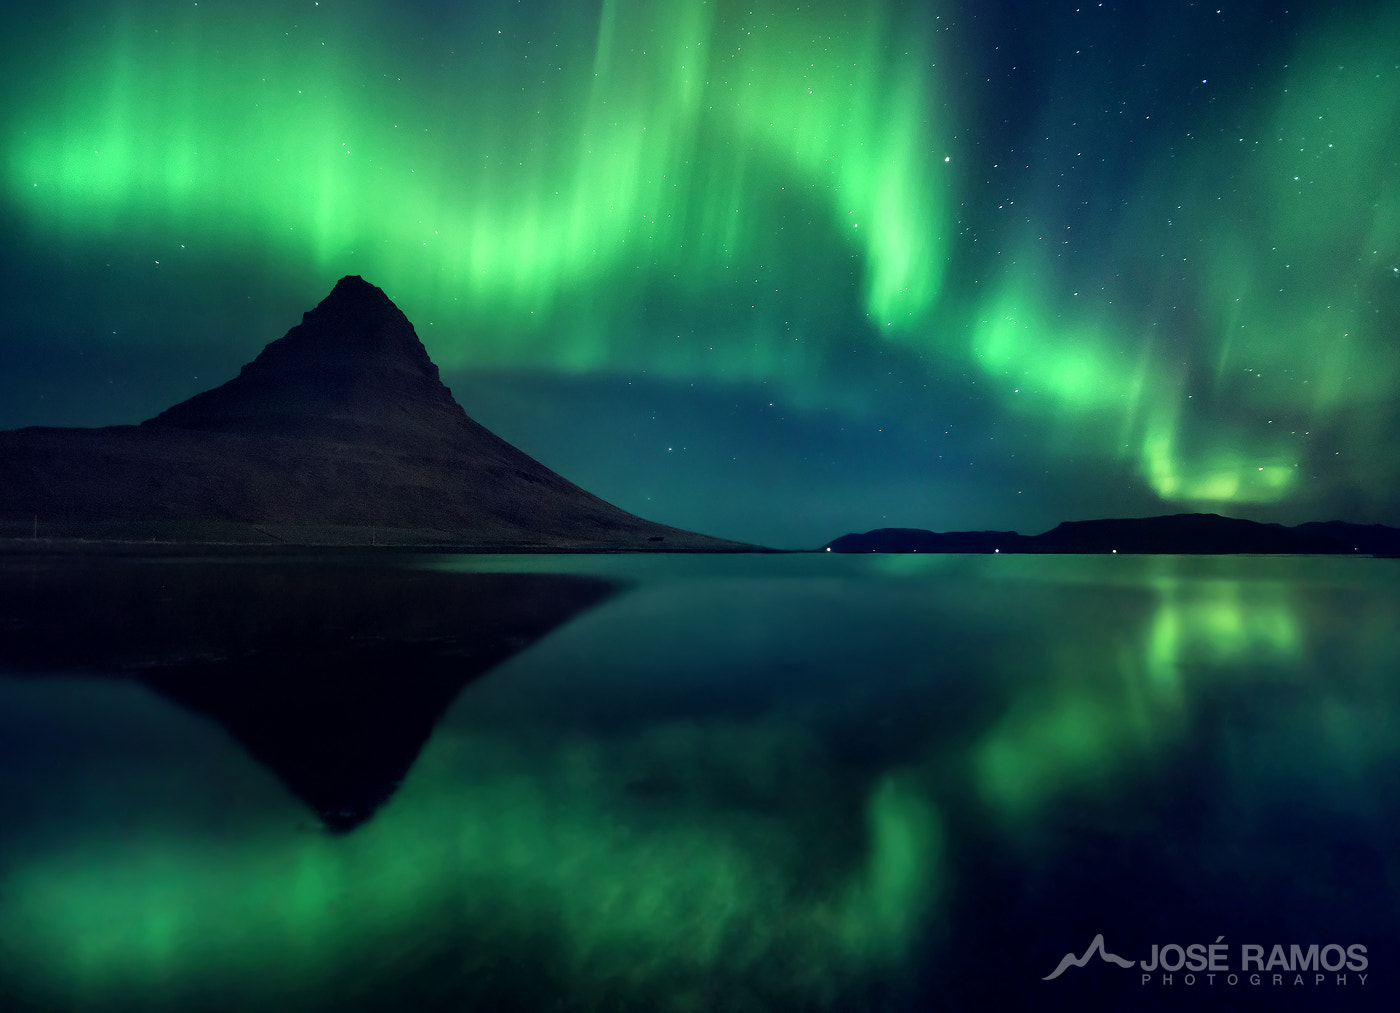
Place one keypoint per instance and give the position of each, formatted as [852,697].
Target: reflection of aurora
[1124,696]
[583,835]
[491,861]
[725,192]
[527,877]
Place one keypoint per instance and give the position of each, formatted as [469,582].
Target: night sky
[770,270]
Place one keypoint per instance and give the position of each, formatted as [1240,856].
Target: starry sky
[772,270]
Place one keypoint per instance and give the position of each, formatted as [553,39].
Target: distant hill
[1176,534]
[340,432]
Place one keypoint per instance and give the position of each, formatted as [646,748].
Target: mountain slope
[340,431]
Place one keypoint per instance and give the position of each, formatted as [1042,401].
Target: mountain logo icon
[1095,947]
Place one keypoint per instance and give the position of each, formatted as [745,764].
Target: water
[698,783]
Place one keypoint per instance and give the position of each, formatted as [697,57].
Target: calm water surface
[699,783]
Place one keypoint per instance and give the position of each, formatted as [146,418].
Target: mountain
[339,432]
[919,540]
[353,371]
[1176,534]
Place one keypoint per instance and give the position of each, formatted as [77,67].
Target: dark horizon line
[1162,534]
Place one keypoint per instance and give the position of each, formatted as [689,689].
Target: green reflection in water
[1121,693]
[883,908]
[1047,744]
[716,861]
[663,870]
[1218,622]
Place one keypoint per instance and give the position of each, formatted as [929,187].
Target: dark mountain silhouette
[331,673]
[919,540]
[353,371]
[1178,534]
[339,432]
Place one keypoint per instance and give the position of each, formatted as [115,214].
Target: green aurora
[820,201]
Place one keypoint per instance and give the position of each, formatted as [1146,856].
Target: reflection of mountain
[1178,534]
[340,431]
[333,676]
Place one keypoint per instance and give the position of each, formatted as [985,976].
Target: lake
[686,783]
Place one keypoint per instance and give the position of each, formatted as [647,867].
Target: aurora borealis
[773,270]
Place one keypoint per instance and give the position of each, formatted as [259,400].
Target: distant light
[996,550]
[828,548]
[1115,552]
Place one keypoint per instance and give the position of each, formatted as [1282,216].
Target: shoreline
[17,547]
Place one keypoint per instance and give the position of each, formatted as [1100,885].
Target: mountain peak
[352,294]
[356,320]
[353,285]
[353,366]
